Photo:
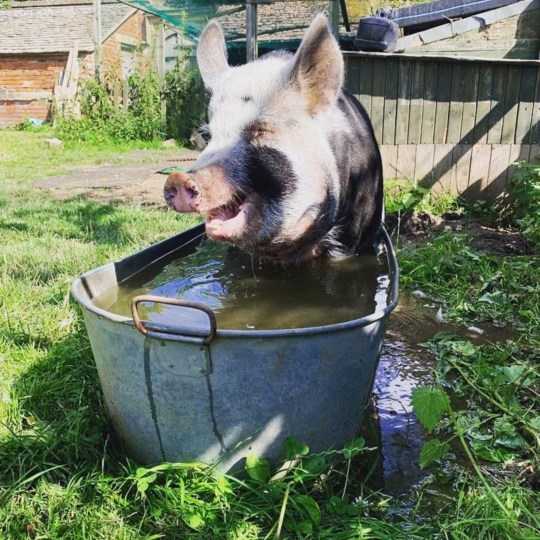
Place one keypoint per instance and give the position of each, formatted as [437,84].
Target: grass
[62,474]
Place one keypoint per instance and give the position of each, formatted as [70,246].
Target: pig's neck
[359,162]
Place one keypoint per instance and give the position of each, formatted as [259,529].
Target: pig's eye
[259,131]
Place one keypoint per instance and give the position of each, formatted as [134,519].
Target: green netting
[189,16]
[278,23]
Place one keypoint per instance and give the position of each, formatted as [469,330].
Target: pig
[292,170]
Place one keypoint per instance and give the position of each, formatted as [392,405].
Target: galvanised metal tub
[189,391]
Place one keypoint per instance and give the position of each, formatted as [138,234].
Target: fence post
[125,95]
[116,94]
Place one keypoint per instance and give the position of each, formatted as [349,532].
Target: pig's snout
[181,193]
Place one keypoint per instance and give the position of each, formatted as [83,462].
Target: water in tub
[246,293]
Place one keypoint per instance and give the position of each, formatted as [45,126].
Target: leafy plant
[471,286]
[103,121]
[406,196]
[186,99]
[502,392]
[524,189]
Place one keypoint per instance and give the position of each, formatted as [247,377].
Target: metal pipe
[97,37]
[251,33]
[333,15]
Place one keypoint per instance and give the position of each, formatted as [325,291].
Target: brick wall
[26,85]
[129,33]
[27,80]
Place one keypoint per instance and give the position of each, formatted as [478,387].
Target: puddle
[404,365]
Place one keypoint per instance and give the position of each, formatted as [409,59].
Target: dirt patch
[136,180]
[497,240]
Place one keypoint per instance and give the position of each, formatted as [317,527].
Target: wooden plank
[116,94]
[518,152]
[498,170]
[431,75]
[478,173]
[526,105]
[352,76]
[403,102]
[417,101]
[534,155]
[377,98]
[483,103]
[26,96]
[442,165]
[511,99]
[461,158]
[125,94]
[455,115]
[534,137]
[470,96]
[424,172]
[496,113]
[389,158]
[446,58]
[366,82]
[390,102]
[406,160]
[443,102]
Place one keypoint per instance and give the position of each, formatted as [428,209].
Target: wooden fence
[451,124]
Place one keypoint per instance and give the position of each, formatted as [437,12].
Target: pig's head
[268,181]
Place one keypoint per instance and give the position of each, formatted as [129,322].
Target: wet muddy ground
[404,365]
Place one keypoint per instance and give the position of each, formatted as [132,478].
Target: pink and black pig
[292,170]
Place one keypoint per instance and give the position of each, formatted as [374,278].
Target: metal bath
[193,392]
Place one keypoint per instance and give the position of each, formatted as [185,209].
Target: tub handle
[171,302]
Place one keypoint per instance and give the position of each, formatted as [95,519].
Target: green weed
[103,122]
[472,286]
[524,190]
[406,196]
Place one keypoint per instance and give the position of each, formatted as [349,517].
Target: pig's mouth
[229,221]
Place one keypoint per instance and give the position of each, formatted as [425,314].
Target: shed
[37,37]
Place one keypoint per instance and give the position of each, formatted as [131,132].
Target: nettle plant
[293,499]
[524,188]
[501,423]
[102,120]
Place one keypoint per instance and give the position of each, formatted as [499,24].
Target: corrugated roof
[56,28]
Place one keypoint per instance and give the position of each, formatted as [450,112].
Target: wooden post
[251,32]
[333,16]
[125,94]
[160,61]
[97,37]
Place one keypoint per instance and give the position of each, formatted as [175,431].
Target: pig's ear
[212,53]
[317,68]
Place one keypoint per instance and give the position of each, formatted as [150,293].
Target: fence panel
[452,123]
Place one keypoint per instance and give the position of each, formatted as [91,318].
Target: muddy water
[247,294]
[404,365]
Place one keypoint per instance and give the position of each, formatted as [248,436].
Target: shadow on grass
[64,426]
[79,218]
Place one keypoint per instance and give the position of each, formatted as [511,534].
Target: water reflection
[249,294]
[404,365]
